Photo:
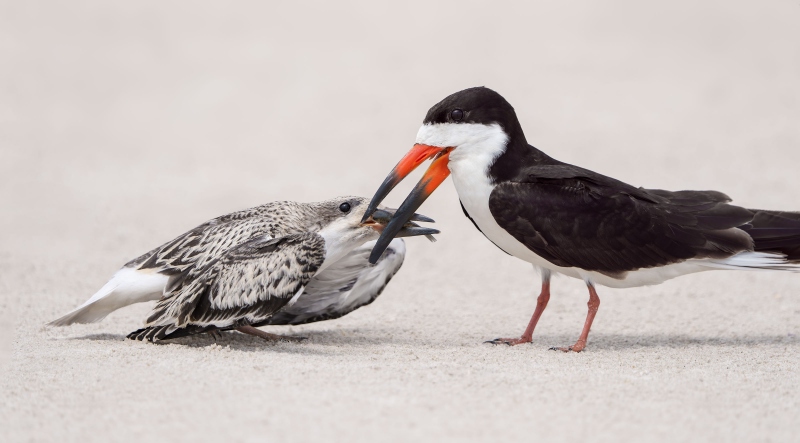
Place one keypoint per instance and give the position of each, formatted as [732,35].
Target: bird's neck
[517,155]
[491,151]
[341,239]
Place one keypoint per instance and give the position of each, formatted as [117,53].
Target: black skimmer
[570,220]
[275,264]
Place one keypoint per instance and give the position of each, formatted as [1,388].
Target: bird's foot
[267,336]
[577,347]
[510,341]
[292,338]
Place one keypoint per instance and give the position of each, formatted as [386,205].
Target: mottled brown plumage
[306,262]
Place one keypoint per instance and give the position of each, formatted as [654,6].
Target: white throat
[340,240]
[476,146]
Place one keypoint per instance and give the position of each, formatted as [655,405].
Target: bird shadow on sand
[381,336]
[364,337]
[326,341]
[319,340]
[613,342]
[97,337]
[230,339]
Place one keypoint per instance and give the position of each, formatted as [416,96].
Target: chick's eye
[457,115]
[344,207]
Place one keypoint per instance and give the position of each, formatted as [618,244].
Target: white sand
[122,126]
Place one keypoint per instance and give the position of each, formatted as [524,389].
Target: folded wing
[577,218]
[245,286]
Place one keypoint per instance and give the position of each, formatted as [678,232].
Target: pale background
[123,124]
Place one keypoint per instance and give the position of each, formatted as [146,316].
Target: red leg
[594,304]
[541,303]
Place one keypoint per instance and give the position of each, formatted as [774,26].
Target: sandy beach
[123,125]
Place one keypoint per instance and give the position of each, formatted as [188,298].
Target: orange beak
[433,177]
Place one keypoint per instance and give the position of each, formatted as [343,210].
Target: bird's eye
[457,115]
[344,207]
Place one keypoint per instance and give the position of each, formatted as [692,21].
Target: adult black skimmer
[275,264]
[570,220]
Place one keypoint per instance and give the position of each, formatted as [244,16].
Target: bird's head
[344,224]
[470,127]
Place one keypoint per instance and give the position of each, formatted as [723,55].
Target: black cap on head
[476,105]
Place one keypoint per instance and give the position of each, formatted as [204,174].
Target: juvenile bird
[275,264]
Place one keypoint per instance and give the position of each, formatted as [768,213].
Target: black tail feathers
[776,231]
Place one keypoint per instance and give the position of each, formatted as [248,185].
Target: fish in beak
[380,218]
[433,177]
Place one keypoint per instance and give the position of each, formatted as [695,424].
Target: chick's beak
[433,177]
[381,217]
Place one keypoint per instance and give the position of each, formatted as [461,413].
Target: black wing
[574,217]
[777,232]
